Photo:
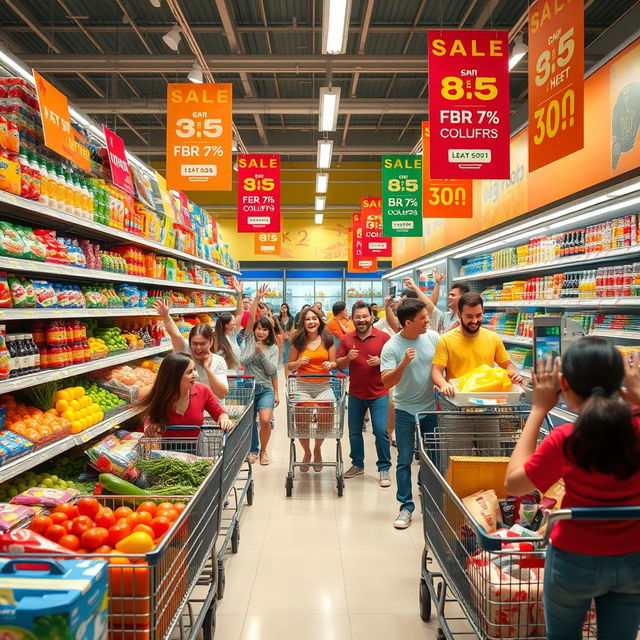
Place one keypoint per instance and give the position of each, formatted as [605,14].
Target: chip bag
[484,379]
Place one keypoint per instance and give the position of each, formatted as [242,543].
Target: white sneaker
[385,479]
[403,520]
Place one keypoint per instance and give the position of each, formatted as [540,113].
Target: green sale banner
[401,196]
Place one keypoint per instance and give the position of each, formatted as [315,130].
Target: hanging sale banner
[401,196]
[374,244]
[443,198]
[267,244]
[556,80]
[199,136]
[469,104]
[258,193]
[120,174]
[59,135]
[356,262]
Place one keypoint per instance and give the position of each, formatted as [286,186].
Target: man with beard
[468,346]
[360,351]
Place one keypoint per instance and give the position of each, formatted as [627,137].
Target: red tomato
[94,537]
[68,525]
[105,518]
[40,524]
[105,548]
[70,509]
[180,506]
[164,505]
[142,517]
[117,533]
[55,532]
[70,542]
[148,506]
[145,528]
[81,524]
[160,526]
[122,512]
[170,514]
[88,507]
[57,517]
[122,520]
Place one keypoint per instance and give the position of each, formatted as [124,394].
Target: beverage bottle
[5,357]
[35,352]
[26,358]
[14,361]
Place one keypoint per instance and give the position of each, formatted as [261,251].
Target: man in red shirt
[360,350]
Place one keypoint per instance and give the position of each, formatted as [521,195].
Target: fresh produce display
[78,408]
[32,423]
[112,336]
[137,377]
[106,400]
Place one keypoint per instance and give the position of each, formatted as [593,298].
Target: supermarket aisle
[320,567]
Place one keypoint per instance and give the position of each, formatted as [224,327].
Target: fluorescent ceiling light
[87,124]
[172,37]
[195,75]
[325,149]
[596,212]
[335,26]
[329,105]
[623,191]
[518,52]
[322,182]
[15,66]
[234,145]
[319,217]
[321,202]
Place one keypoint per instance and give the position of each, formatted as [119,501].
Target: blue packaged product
[12,445]
[53,599]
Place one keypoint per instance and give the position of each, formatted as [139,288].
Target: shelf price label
[469,104]
[374,245]
[443,198]
[258,193]
[199,136]
[401,196]
[556,80]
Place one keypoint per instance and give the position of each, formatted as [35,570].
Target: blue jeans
[264,399]
[378,408]
[572,580]
[406,441]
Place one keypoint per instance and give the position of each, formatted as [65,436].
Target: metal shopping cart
[315,409]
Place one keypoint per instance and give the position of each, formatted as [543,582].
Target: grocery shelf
[58,314]
[48,375]
[30,210]
[67,271]
[551,265]
[33,459]
[628,335]
[566,303]
[516,339]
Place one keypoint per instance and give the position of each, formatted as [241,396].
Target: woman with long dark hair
[211,368]
[598,457]
[176,398]
[286,322]
[225,341]
[313,353]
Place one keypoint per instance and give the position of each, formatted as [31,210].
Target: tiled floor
[318,567]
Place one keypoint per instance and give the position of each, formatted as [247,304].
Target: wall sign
[356,262]
[199,136]
[469,104]
[443,198]
[401,196]
[120,173]
[267,244]
[374,244]
[556,80]
[258,193]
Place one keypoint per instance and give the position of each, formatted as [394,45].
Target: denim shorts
[265,397]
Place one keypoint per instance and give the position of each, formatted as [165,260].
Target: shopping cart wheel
[222,580]
[288,485]
[340,485]
[440,635]
[425,601]
[235,538]
[250,494]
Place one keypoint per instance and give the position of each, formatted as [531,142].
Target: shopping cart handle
[244,376]
[631,512]
[329,374]
[182,427]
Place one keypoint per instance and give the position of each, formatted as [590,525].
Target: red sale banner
[373,244]
[556,80]
[443,198]
[258,193]
[120,174]
[359,262]
[469,104]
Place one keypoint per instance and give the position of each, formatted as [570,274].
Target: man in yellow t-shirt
[468,346]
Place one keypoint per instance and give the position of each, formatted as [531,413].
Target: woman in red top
[177,399]
[598,458]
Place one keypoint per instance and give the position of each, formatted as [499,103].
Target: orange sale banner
[267,244]
[199,135]
[443,198]
[59,135]
[556,80]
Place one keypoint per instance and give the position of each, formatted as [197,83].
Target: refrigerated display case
[275,281]
[307,287]
[371,291]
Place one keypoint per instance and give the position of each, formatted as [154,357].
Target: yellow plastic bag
[484,379]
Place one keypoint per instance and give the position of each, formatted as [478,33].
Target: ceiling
[109,58]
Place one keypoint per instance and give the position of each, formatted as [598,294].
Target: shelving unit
[54,314]
[587,303]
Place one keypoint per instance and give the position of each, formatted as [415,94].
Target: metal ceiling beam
[304,106]
[145,64]
[310,150]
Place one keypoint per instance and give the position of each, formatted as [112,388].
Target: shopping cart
[315,409]
[485,587]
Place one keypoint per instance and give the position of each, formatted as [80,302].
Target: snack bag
[12,515]
[44,497]
[30,291]
[45,295]
[35,249]
[117,454]
[18,292]
[484,507]
[11,244]
[5,291]
[484,379]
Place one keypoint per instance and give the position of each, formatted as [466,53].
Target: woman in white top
[225,341]
[211,368]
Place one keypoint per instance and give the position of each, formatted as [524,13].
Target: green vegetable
[119,487]
[41,396]
[170,471]
[171,490]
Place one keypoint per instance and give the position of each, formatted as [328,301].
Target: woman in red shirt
[598,457]
[177,399]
